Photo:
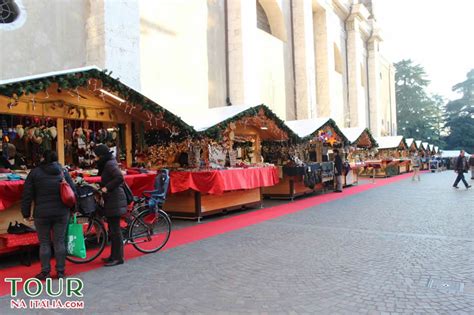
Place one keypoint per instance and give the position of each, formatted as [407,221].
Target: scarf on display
[102,161]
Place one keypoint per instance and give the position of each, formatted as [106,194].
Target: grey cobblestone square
[370,253]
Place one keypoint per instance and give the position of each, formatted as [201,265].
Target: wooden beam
[128,142]
[60,140]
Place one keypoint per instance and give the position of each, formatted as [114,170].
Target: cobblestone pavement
[371,253]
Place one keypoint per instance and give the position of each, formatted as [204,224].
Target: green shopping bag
[75,239]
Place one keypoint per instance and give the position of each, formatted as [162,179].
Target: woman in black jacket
[115,201]
[50,214]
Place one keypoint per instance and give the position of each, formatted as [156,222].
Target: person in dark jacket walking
[338,170]
[50,214]
[461,167]
[115,201]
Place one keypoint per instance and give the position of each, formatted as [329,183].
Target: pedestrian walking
[416,164]
[42,187]
[338,170]
[471,165]
[461,167]
[115,201]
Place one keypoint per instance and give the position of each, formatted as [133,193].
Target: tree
[460,116]
[419,114]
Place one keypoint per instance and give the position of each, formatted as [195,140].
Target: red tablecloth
[137,183]
[10,192]
[218,181]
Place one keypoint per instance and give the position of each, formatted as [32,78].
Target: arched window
[270,18]
[9,11]
[262,19]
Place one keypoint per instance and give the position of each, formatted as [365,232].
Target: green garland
[334,126]
[372,139]
[216,131]
[81,79]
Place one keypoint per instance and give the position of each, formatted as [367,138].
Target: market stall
[361,146]
[232,168]
[305,167]
[391,158]
[71,112]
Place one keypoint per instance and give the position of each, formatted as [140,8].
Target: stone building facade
[303,58]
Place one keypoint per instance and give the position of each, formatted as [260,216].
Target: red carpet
[205,230]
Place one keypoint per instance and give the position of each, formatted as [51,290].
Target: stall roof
[213,121]
[353,134]
[213,116]
[452,153]
[436,149]
[426,145]
[390,142]
[79,77]
[419,144]
[410,142]
[305,128]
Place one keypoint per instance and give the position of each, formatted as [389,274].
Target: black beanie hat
[101,150]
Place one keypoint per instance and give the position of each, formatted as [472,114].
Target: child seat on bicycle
[158,196]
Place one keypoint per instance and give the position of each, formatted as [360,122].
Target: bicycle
[148,227]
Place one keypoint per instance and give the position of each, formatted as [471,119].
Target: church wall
[174,53]
[52,38]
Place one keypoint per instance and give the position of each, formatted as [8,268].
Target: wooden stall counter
[296,181]
[195,194]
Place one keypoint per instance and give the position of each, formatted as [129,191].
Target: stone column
[374,83]
[355,47]
[242,24]
[324,57]
[113,38]
[305,72]
[393,100]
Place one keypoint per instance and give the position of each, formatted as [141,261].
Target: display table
[380,168]
[292,182]
[404,166]
[195,194]
[11,191]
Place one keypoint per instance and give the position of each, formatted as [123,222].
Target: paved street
[376,252]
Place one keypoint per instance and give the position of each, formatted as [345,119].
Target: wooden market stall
[306,167]
[361,146]
[391,158]
[233,171]
[70,112]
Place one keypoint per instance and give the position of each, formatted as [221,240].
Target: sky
[438,34]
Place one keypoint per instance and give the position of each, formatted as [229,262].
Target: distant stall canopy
[322,129]
[391,142]
[360,137]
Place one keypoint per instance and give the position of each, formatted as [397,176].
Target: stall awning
[308,128]
[358,135]
[452,153]
[103,84]
[391,142]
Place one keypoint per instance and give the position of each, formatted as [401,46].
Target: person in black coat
[42,187]
[338,170]
[461,167]
[115,201]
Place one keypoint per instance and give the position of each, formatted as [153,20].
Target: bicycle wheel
[150,231]
[95,238]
